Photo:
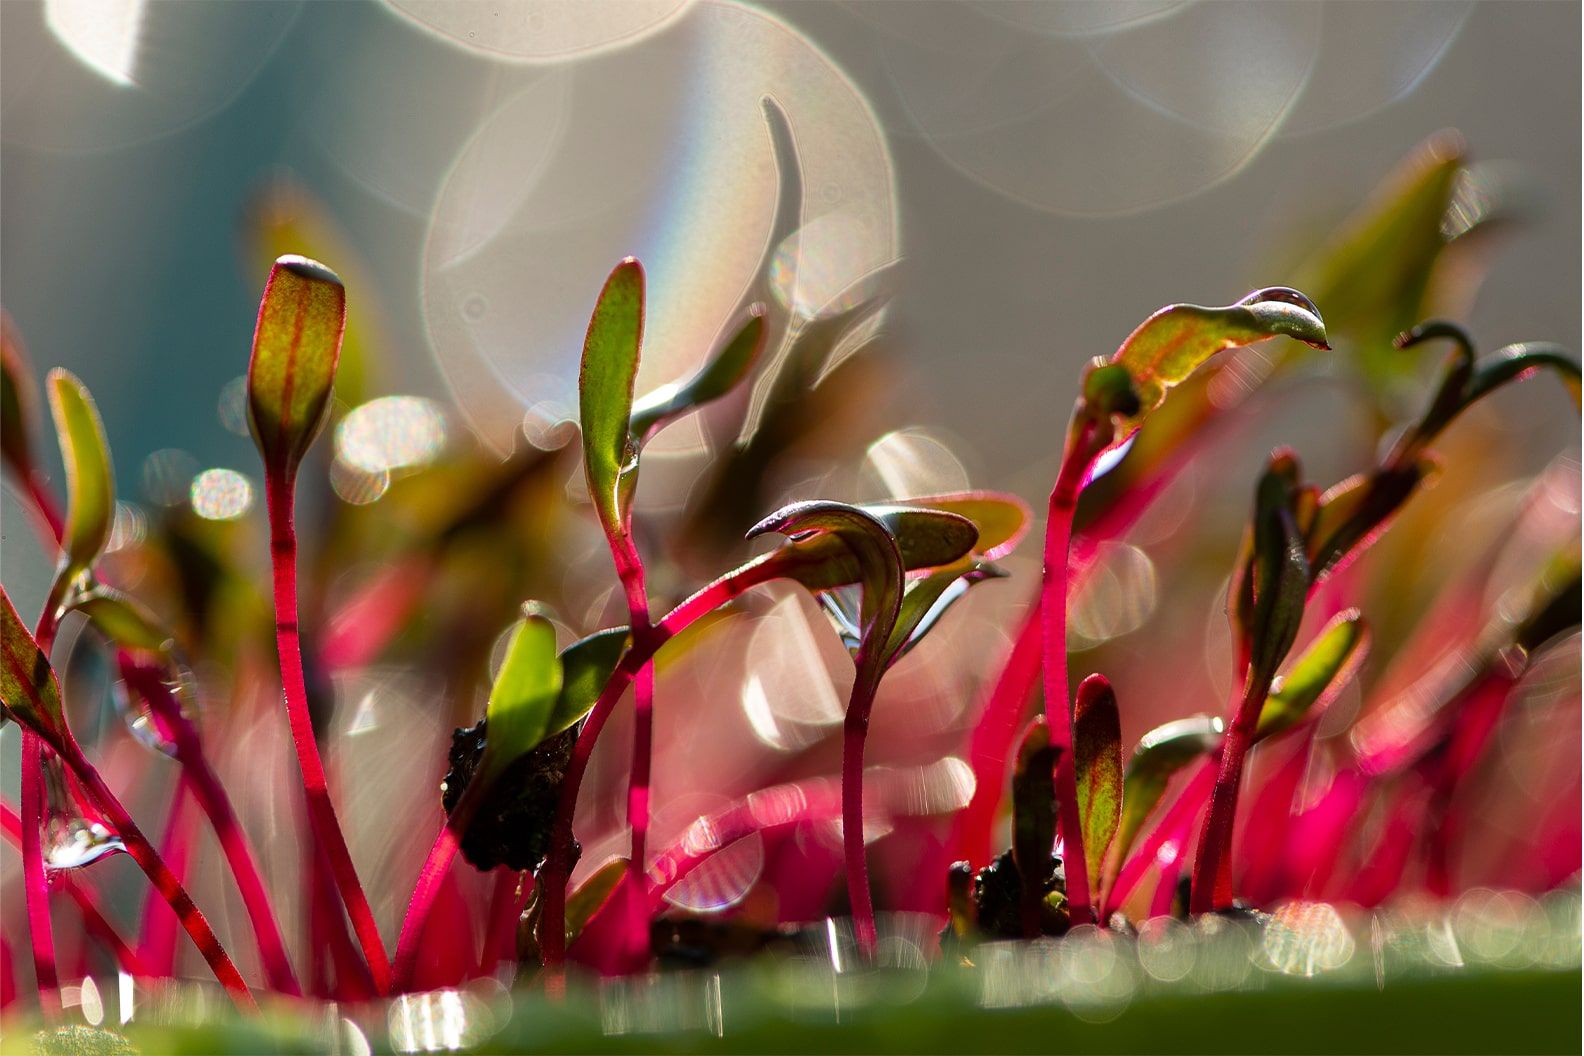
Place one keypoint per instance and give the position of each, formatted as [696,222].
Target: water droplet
[73,836]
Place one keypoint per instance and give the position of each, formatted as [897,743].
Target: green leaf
[17,408]
[872,546]
[725,370]
[28,689]
[122,619]
[90,483]
[1172,343]
[1001,518]
[1097,762]
[605,394]
[926,600]
[1160,753]
[1034,803]
[1280,571]
[586,900]
[1317,676]
[524,695]
[1516,362]
[586,665]
[296,347]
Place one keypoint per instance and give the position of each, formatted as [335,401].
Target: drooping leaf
[296,347]
[1317,676]
[586,665]
[28,689]
[90,482]
[1164,349]
[524,695]
[1160,753]
[605,394]
[725,371]
[122,619]
[17,407]
[873,548]
[1097,761]
[822,561]
[1034,803]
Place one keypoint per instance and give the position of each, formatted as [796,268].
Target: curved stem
[1212,875]
[321,810]
[854,731]
[1079,457]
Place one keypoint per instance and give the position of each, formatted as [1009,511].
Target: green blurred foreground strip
[1429,1014]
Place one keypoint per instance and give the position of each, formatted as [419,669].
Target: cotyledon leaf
[1001,517]
[296,347]
[122,619]
[586,665]
[1316,676]
[523,698]
[90,483]
[924,538]
[1160,754]
[1097,761]
[725,371]
[605,394]
[28,689]
[1168,346]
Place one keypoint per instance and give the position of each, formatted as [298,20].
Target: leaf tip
[308,268]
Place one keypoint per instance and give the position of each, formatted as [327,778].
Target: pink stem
[1212,878]
[1185,806]
[36,882]
[159,928]
[1169,860]
[216,805]
[1077,461]
[430,878]
[159,874]
[1270,825]
[854,730]
[500,929]
[321,810]
[991,743]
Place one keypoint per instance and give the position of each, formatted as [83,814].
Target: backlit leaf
[586,665]
[926,601]
[583,903]
[90,484]
[1172,343]
[28,689]
[524,695]
[923,538]
[1097,762]
[725,371]
[296,347]
[122,619]
[1280,570]
[1001,517]
[605,394]
[1160,753]
[1317,676]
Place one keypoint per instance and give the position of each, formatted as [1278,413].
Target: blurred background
[1035,177]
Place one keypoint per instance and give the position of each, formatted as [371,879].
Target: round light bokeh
[540,30]
[546,198]
[95,75]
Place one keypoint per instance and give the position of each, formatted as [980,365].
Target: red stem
[41,933]
[158,931]
[1077,461]
[991,743]
[1181,812]
[1212,877]
[159,875]
[854,731]
[427,888]
[500,928]
[321,810]
[216,805]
